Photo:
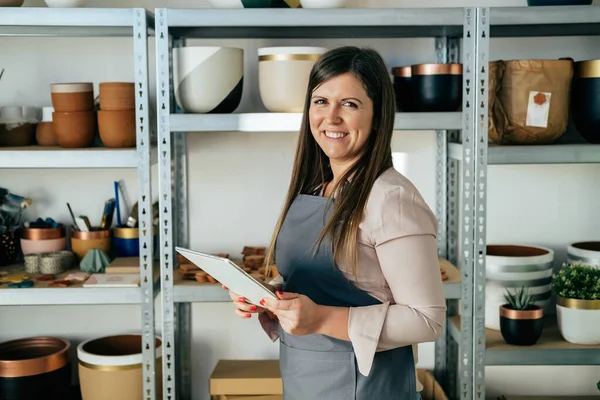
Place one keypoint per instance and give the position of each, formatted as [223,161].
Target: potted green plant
[521,321]
[577,289]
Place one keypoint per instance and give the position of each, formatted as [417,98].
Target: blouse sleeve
[404,241]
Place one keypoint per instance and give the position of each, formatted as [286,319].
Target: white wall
[237,182]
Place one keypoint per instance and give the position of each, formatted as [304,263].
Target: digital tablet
[229,274]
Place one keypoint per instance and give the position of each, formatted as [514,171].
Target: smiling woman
[359,284]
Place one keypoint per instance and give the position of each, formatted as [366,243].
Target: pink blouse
[398,265]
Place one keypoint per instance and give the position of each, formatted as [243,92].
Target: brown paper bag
[496,117]
[532,101]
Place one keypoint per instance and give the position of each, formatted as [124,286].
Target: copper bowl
[42,233]
[95,233]
[32,356]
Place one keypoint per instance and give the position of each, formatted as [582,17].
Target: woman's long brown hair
[311,166]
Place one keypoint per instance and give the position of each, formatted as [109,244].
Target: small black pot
[521,327]
[585,99]
[559,2]
[403,88]
[437,87]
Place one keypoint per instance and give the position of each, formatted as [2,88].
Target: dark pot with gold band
[521,327]
[403,88]
[437,87]
[35,368]
[585,99]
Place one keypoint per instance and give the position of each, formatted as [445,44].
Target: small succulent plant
[521,299]
[577,281]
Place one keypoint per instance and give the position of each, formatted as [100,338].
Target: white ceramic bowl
[323,3]
[208,79]
[254,3]
[587,252]
[64,3]
[283,74]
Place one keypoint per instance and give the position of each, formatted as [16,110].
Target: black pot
[403,88]
[585,99]
[559,2]
[437,87]
[35,368]
[10,246]
[521,327]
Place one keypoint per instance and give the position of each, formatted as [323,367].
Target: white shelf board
[77,21]
[55,157]
[539,154]
[309,23]
[290,122]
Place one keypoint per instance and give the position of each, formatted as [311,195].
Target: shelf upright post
[481,151]
[467,194]
[167,256]
[146,230]
[183,311]
[446,51]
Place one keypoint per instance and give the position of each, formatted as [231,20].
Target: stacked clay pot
[74,118]
[116,118]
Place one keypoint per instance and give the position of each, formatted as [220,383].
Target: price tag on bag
[538,109]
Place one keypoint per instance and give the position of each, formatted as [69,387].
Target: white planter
[579,320]
[585,252]
[283,74]
[208,79]
[512,266]
[111,368]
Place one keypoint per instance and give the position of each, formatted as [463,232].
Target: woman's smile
[340,117]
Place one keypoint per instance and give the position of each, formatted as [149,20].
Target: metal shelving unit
[449,26]
[488,346]
[134,23]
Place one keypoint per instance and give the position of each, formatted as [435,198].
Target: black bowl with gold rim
[585,99]
[521,327]
[403,88]
[35,368]
[437,87]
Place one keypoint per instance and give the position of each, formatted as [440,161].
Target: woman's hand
[297,314]
[244,309]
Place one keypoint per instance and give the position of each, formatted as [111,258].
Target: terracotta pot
[115,96]
[35,368]
[44,134]
[72,96]
[117,128]
[74,129]
[111,368]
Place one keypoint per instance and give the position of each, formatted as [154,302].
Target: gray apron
[319,367]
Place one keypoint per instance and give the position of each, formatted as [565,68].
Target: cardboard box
[261,380]
[246,377]
[432,390]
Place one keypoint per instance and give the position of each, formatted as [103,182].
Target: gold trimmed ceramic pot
[35,368]
[283,74]
[578,320]
[111,368]
[82,242]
